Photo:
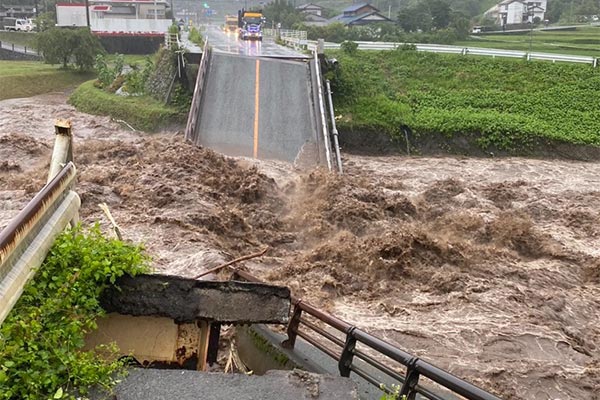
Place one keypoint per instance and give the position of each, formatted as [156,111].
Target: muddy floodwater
[489,268]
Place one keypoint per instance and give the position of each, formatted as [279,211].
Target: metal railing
[284,34]
[192,122]
[346,352]
[438,48]
[172,41]
[319,104]
[334,131]
[26,240]
[19,49]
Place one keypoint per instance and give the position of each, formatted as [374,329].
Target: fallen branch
[227,264]
[116,228]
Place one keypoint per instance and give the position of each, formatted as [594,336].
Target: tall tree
[440,13]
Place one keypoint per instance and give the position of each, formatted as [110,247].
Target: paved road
[229,43]
[258,107]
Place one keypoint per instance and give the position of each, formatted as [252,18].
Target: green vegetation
[142,112]
[195,37]
[584,41]
[392,393]
[27,39]
[66,46]
[30,78]
[499,103]
[42,337]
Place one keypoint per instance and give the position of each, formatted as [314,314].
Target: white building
[509,12]
[117,16]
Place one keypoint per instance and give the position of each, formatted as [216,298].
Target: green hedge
[504,103]
[141,112]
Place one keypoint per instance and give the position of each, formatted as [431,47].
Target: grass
[131,59]
[20,38]
[503,103]
[584,41]
[30,78]
[142,112]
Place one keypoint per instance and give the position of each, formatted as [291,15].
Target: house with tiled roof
[310,8]
[360,14]
[512,12]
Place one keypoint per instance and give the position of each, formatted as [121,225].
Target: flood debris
[486,267]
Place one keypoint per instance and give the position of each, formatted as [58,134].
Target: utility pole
[87,14]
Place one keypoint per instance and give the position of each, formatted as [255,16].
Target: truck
[17,24]
[231,23]
[250,24]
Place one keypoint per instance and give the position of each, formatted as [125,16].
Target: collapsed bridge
[255,100]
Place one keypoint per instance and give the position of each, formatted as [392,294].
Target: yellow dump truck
[231,23]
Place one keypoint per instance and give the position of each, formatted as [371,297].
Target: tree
[65,46]
[461,25]
[282,12]
[440,13]
[414,18]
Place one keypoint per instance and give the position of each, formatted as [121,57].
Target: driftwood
[227,264]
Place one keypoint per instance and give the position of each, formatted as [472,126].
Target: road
[258,107]
[229,43]
[257,100]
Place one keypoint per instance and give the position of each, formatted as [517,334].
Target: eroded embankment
[487,267]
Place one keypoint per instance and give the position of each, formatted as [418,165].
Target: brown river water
[489,268]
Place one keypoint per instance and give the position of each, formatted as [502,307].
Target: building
[360,14]
[17,11]
[117,16]
[513,12]
[310,9]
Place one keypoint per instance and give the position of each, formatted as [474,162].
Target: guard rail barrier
[347,352]
[436,48]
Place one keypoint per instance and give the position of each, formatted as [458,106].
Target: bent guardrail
[347,352]
[192,122]
[26,240]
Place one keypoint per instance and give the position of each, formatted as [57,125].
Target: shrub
[69,46]
[42,337]
[349,47]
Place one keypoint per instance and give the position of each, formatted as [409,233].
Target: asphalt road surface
[258,107]
[229,43]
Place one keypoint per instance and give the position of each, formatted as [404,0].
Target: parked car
[18,24]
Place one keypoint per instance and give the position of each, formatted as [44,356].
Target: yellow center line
[256,107]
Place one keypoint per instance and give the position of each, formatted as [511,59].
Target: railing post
[292,330]
[411,381]
[347,354]
[63,147]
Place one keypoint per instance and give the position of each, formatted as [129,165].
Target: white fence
[294,41]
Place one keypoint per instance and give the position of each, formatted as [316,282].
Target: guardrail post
[411,381]
[347,354]
[292,330]
[595,64]
[62,153]
[63,149]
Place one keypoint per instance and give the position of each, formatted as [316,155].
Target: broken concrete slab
[153,384]
[189,300]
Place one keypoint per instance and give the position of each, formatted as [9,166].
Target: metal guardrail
[319,104]
[192,122]
[334,131]
[347,352]
[20,49]
[438,48]
[26,240]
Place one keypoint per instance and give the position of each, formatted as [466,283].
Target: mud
[487,267]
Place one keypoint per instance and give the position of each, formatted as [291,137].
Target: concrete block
[189,300]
